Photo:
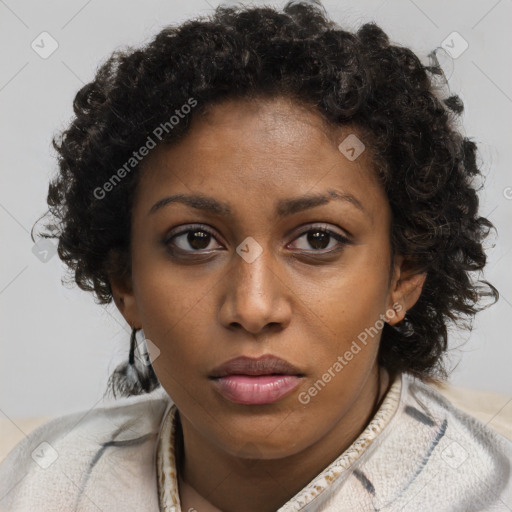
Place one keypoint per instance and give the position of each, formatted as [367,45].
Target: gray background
[57,346]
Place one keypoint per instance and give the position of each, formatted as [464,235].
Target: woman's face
[245,272]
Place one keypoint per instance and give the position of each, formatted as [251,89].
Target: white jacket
[419,453]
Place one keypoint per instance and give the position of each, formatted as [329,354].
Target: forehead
[265,124]
[262,150]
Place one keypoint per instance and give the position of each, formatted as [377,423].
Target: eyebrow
[284,208]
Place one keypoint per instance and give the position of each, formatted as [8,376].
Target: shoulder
[491,408]
[421,397]
[441,456]
[103,456]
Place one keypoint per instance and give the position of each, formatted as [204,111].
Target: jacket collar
[168,453]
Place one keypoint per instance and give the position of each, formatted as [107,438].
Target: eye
[194,239]
[320,238]
[198,238]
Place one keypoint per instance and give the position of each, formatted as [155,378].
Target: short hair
[427,167]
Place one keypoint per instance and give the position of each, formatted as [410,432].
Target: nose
[256,298]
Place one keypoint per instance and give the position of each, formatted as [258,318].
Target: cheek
[166,294]
[172,312]
[341,360]
[348,307]
[174,319]
[352,296]
[182,363]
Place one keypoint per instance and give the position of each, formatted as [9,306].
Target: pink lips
[250,381]
[265,389]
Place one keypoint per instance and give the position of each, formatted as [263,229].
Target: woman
[287,214]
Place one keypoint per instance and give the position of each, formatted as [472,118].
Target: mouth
[250,381]
[256,390]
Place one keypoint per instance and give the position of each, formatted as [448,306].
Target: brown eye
[318,239]
[198,239]
[191,240]
[321,238]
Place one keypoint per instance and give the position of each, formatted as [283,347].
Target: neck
[212,480]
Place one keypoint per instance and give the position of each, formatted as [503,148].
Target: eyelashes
[197,239]
[325,233]
[195,230]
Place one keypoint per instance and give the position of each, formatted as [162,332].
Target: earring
[131,356]
[134,377]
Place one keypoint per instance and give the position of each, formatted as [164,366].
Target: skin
[296,300]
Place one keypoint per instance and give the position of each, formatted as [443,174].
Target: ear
[124,298]
[405,289]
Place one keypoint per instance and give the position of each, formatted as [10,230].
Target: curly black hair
[428,168]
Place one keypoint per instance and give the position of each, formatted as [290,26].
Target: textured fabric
[426,455]
[105,461]
[493,409]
